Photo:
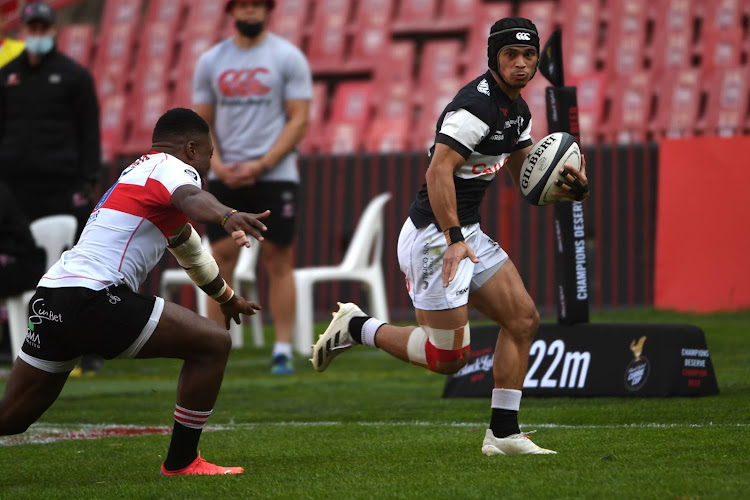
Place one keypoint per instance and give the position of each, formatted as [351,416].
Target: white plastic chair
[54,233]
[244,276]
[362,262]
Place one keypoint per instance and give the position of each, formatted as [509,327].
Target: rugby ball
[541,167]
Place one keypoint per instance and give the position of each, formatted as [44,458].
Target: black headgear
[517,31]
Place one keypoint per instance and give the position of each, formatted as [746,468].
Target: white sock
[369,329]
[506,399]
[284,348]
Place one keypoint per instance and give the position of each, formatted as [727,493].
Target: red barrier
[702,236]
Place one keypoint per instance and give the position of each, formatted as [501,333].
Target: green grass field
[373,427]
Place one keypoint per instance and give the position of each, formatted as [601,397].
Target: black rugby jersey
[493,128]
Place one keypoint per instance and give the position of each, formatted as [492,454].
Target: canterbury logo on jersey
[523,36]
[242,82]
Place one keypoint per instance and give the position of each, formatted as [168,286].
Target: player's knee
[218,346]
[524,324]
[440,350]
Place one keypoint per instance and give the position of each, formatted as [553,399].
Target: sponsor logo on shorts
[637,372]
[113,299]
[39,313]
[462,291]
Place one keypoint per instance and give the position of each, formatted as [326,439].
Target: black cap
[38,11]
[510,31]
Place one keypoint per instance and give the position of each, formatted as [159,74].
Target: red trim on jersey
[152,201]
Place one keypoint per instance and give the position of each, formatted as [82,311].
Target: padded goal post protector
[571,268]
[597,359]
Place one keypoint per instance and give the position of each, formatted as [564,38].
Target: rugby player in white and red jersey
[88,302]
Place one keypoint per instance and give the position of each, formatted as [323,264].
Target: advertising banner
[597,359]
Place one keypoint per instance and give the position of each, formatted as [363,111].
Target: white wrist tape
[196,260]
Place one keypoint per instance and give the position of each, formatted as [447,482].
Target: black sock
[355,327]
[183,448]
[504,422]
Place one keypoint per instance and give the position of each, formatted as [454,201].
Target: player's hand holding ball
[554,170]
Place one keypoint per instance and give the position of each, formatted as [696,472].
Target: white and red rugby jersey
[127,232]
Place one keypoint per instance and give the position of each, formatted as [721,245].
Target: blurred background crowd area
[384,69]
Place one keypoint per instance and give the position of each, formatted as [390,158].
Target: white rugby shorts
[420,256]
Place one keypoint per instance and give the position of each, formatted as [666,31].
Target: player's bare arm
[514,163]
[207,111]
[575,185]
[247,173]
[445,162]
[202,206]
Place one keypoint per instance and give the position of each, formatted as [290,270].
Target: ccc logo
[523,36]
[233,82]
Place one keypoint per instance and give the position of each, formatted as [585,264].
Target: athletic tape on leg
[428,346]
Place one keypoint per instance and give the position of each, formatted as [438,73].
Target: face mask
[250,30]
[40,45]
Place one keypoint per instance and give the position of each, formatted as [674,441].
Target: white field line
[48,433]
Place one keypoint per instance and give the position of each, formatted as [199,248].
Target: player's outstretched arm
[202,206]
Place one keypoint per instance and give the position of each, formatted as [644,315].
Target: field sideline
[373,427]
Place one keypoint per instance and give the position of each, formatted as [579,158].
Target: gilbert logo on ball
[540,169]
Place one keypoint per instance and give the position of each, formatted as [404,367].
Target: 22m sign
[565,370]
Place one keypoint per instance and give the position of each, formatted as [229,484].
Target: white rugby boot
[336,339]
[515,444]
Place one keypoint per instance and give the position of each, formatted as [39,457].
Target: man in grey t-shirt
[254,89]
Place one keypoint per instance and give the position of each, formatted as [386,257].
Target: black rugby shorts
[278,197]
[66,323]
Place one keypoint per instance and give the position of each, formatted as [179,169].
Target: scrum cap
[516,31]
[271,4]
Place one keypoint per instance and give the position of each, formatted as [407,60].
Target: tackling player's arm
[442,192]
[202,206]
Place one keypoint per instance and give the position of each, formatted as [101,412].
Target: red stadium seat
[396,64]
[485,16]
[727,105]
[394,101]
[721,48]
[112,124]
[672,44]
[678,104]
[77,41]
[626,36]
[155,56]
[202,37]
[629,108]
[415,16]
[543,14]
[314,137]
[580,20]
[289,20]
[113,59]
[372,34]
[147,109]
[165,11]
[441,59]
[329,36]
[204,16]
[121,12]
[590,93]
[388,135]
[457,15]
[352,109]
[441,93]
